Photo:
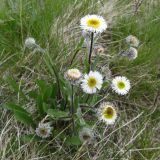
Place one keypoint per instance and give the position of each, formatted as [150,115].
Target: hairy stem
[90,51]
[72,109]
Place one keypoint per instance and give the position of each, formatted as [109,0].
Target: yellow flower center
[108,113]
[121,85]
[95,23]
[92,82]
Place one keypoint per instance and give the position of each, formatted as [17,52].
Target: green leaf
[24,118]
[55,113]
[95,64]
[41,84]
[33,94]
[66,90]
[14,107]
[54,91]
[30,138]
[45,90]
[80,118]
[13,84]
[51,66]
[63,104]
[20,113]
[93,99]
[74,140]
[80,44]
[105,84]
[45,107]
[47,93]
[40,104]
[77,49]
[86,64]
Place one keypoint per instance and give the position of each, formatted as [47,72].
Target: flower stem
[90,51]
[72,108]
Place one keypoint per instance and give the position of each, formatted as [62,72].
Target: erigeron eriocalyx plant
[74,92]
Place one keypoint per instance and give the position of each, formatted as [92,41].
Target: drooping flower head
[132,41]
[30,43]
[107,112]
[73,76]
[132,53]
[86,135]
[43,130]
[120,85]
[93,23]
[92,82]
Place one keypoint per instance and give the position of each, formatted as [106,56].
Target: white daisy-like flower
[43,130]
[121,85]
[86,135]
[30,43]
[73,76]
[132,41]
[107,113]
[93,23]
[92,82]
